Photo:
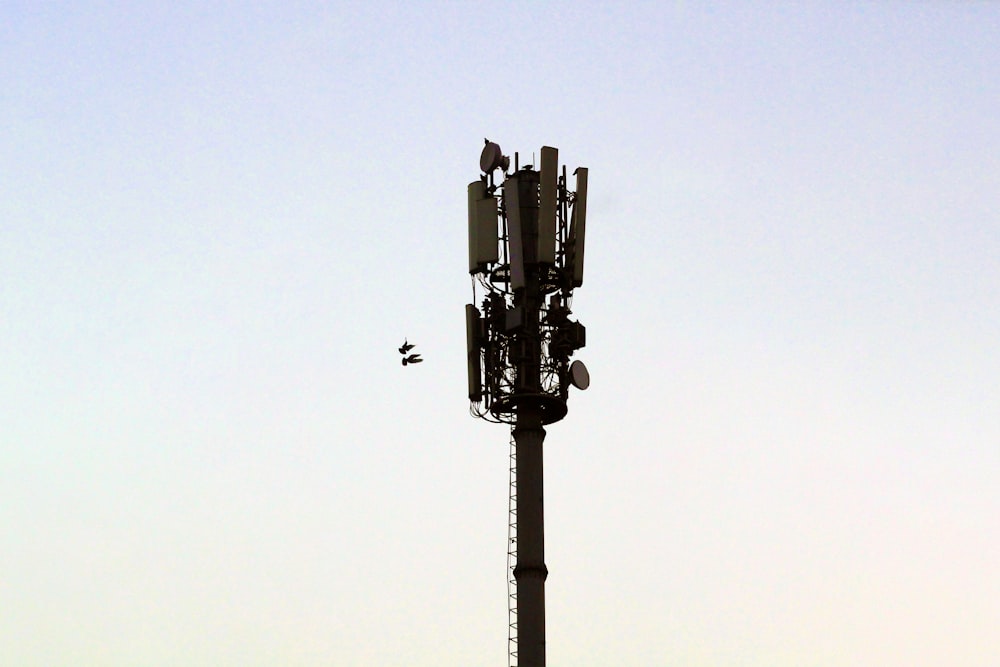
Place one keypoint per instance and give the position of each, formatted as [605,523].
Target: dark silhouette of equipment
[526,253]
[492,158]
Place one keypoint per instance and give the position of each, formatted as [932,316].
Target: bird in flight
[412,359]
[406,347]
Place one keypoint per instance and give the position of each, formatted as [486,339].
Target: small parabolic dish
[579,375]
[492,158]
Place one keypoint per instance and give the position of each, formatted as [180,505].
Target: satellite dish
[492,158]
[579,376]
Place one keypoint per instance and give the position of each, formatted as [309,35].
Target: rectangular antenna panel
[515,231]
[483,237]
[473,341]
[578,226]
[547,205]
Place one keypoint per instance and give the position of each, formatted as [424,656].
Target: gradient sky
[218,221]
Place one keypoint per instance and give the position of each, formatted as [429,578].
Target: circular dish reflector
[579,375]
[491,158]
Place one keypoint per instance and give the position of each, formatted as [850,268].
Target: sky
[218,222]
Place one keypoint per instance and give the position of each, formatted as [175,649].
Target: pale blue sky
[217,223]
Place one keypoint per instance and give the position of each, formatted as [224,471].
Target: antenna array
[526,255]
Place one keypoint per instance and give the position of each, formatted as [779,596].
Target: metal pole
[530,571]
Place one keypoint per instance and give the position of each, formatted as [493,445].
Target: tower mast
[526,257]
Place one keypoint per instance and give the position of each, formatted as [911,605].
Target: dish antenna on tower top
[579,376]
[493,158]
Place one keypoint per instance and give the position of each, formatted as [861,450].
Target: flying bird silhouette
[406,347]
[412,359]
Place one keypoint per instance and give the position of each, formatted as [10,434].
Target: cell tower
[526,243]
